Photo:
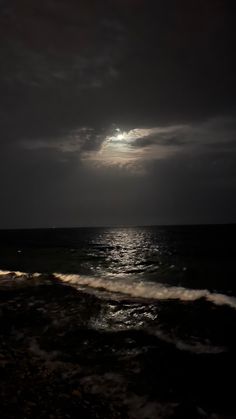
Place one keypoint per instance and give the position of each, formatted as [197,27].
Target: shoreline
[55,364]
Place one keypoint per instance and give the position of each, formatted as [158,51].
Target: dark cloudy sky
[117,112]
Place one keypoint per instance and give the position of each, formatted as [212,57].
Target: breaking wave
[147,290]
[131,288]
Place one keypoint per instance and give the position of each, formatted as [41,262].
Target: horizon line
[196,224]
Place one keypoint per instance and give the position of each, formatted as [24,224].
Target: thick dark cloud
[73,71]
[77,63]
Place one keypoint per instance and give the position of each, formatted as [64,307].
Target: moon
[120,136]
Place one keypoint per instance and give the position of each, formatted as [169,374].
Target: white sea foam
[195,347]
[14,278]
[132,288]
[146,290]
[12,273]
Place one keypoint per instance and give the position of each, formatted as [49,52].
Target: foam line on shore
[136,289]
[147,290]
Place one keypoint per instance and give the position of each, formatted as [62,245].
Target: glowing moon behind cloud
[122,148]
[120,137]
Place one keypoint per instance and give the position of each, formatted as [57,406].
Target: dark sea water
[148,314]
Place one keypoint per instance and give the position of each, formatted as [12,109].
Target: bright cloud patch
[136,146]
[138,143]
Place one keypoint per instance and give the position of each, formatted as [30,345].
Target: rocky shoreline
[54,364]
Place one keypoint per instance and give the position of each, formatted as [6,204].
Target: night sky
[117,112]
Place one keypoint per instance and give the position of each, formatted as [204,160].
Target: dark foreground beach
[55,364]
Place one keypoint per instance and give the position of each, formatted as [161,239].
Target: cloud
[70,64]
[167,136]
[49,185]
[136,146]
[55,69]
[139,145]
[78,141]
[214,132]
[74,71]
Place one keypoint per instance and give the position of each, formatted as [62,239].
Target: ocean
[118,322]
